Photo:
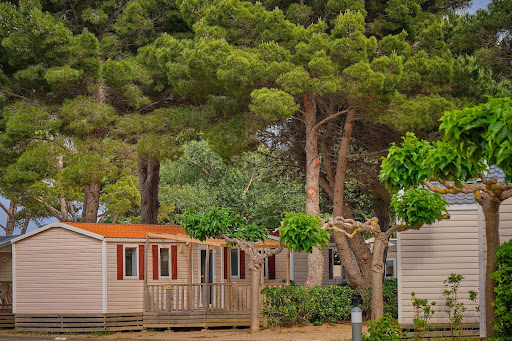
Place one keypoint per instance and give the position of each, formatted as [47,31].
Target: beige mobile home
[428,256]
[79,276]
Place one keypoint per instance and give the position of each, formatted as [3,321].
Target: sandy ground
[330,332]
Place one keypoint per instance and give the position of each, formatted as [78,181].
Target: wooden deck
[198,305]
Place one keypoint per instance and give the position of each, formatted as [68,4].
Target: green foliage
[292,305]
[218,222]
[454,307]
[272,104]
[199,179]
[482,133]
[302,232]
[423,312]
[418,206]
[122,196]
[503,302]
[390,293]
[386,328]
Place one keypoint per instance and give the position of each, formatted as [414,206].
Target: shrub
[293,305]
[390,297]
[503,302]
[384,329]
[333,303]
[288,305]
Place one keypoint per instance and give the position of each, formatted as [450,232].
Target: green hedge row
[293,305]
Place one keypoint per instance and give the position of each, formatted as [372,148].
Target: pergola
[182,238]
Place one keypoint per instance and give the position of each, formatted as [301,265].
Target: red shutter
[154,249]
[272,267]
[331,275]
[242,264]
[120,262]
[225,263]
[141,261]
[174,259]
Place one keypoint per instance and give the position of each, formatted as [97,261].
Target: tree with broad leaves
[298,232]
[413,208]
[475,138]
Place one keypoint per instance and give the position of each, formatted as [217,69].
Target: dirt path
[326,332]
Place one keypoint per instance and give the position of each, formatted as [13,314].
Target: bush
[390,297]
[293,305]
[503,302]
[333,303]
[384,329]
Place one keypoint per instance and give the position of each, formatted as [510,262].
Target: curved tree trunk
[358,270]
[149,179]
[91,203]
[491,210]
[255,297]
[315,259]
[377,303]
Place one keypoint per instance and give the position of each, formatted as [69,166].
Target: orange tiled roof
[138,231]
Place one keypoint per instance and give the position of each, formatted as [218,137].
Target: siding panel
[58,271]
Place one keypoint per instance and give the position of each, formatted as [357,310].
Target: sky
[475,5]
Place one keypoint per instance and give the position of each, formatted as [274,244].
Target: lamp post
[357,324]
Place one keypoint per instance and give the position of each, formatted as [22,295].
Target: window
[165,256]
[337,269]
[130,261]
[390,269]
[235,263]
[265,268]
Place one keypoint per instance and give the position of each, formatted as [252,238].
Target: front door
[202,268]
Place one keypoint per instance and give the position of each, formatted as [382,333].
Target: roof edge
[58,224]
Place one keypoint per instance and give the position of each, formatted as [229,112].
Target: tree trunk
[358,274]
[11,218]
[149,179]
[28,216]
[491,210]
[255,297]
[63,205]
[315,259]
[91,203]
[377,303]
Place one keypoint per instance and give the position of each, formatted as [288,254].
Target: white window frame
[239,265]
[136,247]
[160,262]
[394,268]
[341,265]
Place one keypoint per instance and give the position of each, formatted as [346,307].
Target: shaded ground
[326,332]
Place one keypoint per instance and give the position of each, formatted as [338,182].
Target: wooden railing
[5,295]
[198,297]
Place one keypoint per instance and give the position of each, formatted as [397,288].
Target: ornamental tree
[475,138]
[413,208]
[299,232]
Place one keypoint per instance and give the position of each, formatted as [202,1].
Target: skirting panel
[196,319]
[72,323]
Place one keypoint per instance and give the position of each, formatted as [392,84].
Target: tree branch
[4,208]
[51,209]
[328,118]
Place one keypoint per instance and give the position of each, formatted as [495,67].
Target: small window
[165,256]
[130,261]
[235,262]
[337,269]
[265,268]
[390,268]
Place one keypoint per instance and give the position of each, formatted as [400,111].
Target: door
[211,269]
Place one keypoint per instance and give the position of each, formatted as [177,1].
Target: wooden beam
[229,264]
[270,243]
[190,264]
